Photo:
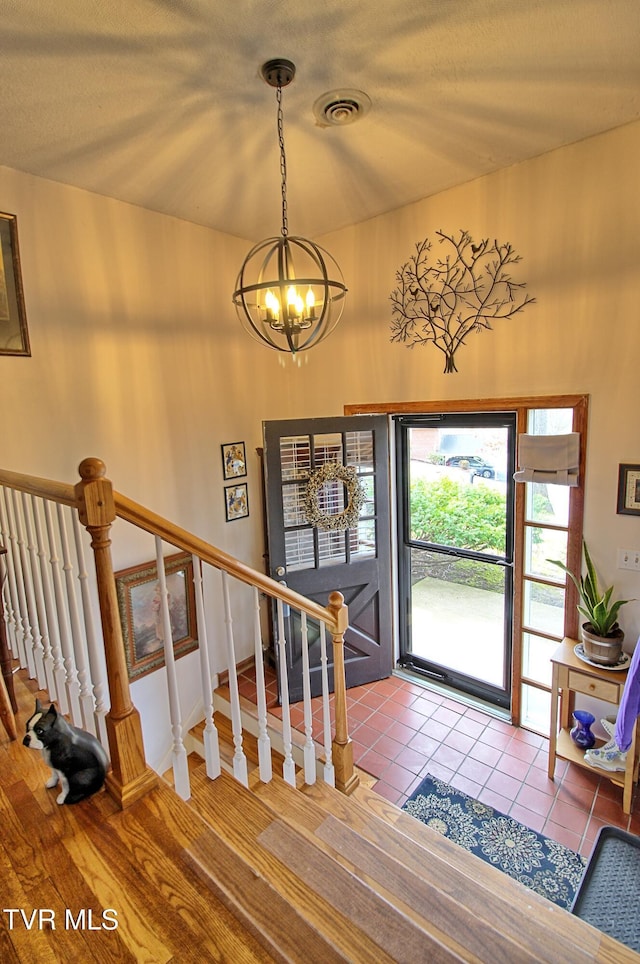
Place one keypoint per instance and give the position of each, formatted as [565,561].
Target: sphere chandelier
[290,292]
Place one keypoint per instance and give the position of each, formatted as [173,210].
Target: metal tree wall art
[462,291]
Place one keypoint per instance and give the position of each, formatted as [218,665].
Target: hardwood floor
[272,875]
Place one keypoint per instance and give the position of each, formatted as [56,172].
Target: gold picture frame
[14,334]
[139,603]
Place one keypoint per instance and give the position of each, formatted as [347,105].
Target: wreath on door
[348,518]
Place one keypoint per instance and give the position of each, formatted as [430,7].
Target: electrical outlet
[629,559]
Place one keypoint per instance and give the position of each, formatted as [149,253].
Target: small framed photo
[629,490]
[234,460]
[236,501]
[140,605]
[14,335]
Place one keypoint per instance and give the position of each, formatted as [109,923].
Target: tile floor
[402,730]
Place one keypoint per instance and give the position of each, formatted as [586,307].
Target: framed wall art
[14,335]
[236,501]
[234,460]
[629,490]
[139,602]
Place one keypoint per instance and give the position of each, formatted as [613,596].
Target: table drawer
[602,689]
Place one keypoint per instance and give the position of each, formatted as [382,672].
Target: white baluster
[239,758]
[180,763]
[329,769]
[288,767]
[309,748]
[210,734]
[45,583]
[11,615]
[85,696]
[96,664]
[264,743]
[21,570]
[40,646]
[63,668]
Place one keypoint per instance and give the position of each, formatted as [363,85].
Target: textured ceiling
[161,103]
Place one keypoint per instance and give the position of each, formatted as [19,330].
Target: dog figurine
[78,762]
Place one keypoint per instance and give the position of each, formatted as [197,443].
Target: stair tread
[409,874]
[332,898]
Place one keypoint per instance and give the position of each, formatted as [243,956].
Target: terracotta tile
[444,715]
[610,811]
[388,747]
[435,729]
[366,734]
[373,698]
[373,763]
[466,785]
[410,759]
[495,738]
[410,718]
[389,793]
[402,697]
[466,724]
[380,722]
[577,796]
[539,779]
[440,771]
[562,835]
[501,726]
[425,707]
[532,739]
[485,753]
[522,751]
[477,715]
[494,799]
[503,784]
[460,741]
[569,817]
[517,769]
[448,757]
[359,712]
[534,801]
[475,770]
[398,731]
[581,777]
[535,821]
[423,743]
[396,776]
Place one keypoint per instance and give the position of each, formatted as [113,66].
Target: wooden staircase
[354,878]
[269,873]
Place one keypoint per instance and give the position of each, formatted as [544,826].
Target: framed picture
[629,490]
[14,336]
[236,501]
[234,460]
[141,616]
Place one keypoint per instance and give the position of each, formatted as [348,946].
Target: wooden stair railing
[98,506]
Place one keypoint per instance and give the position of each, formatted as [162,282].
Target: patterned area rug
[547,867]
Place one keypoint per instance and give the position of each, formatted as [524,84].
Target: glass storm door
[455,514]
[313,561]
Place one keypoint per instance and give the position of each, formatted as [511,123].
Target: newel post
[129,777]
[342,748]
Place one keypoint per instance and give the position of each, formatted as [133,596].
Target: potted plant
[602,637]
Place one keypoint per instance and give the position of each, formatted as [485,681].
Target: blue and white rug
[548,868]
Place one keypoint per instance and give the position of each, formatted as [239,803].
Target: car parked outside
[477,465]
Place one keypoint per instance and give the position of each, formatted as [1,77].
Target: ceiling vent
[337,108]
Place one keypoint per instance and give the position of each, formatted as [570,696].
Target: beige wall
[138,358]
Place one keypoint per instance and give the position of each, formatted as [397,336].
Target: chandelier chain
[283,162]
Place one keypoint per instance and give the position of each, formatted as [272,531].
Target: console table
[571,675]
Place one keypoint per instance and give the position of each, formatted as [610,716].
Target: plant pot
[604,650]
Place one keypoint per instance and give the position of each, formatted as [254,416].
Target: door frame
[522,405]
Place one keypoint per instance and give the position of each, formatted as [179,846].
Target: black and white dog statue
[78,761]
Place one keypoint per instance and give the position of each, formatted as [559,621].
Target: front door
[456,515]
[316,559]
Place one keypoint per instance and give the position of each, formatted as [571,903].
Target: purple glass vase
[581,732]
